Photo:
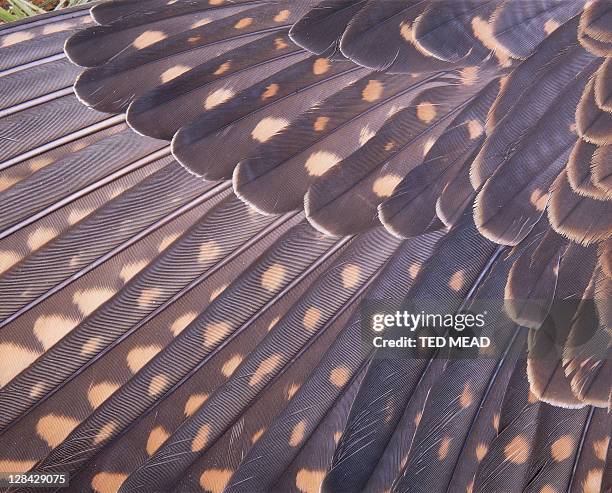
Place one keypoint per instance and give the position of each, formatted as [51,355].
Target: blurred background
[14,10]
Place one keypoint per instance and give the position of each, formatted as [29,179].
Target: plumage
[581,219]
[411,209]
[580,173]
[535,447]
[371,174]
[321,29]
[246,116]
[278,176]
[127,35]
[592,124]
[602,88]
[518,28]
[237,68]
[532,280]
[450,30]
[191,268]
[601,168]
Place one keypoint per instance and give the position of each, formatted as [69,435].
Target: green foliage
[14,10]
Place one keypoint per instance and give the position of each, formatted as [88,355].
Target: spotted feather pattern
[161,332]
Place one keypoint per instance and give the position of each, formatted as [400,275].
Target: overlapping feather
[98,304]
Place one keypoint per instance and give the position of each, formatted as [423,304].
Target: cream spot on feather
[243,23]
[10,465]
[58,27]
[98,393]
[140,356]
[8,258]
[107,482]
[8,181]
[469,75]
[218,97]
[444,448]
[273,277]
[321,161]
[562,448]
[209,250]
[428,145]
[215,333]
[467,397]
[406,32]
[483,31]
[200,23]
[600,448]
[414,269]
[77,215]
[547,488]
[40,237]
[350,276]
[339,376]
[148,297]
[457,280]
[517,451]
[280,44]
[173,73]
[321,66]
[13,359]
[215,480]
[592,482]
[373,91]
[217,292]
[194,403]
[15,38]
[49,329]
[224,67]
[384,186]
[268,128]
[201,438]
[266,367]
[105,432]
[148,38]
[270,92]
[297,434]
[89,300]
[311,318]
[130,270]
[157,385]
[229,367]
[91,346]
[426,111]
[550,26]
[54,428]
[309,480]
[481,451]
[273,322]
[257,435]
[282,16]
[156,438]
[539,199]
[475,129]
[321,123]
[167,241]
[293,388]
